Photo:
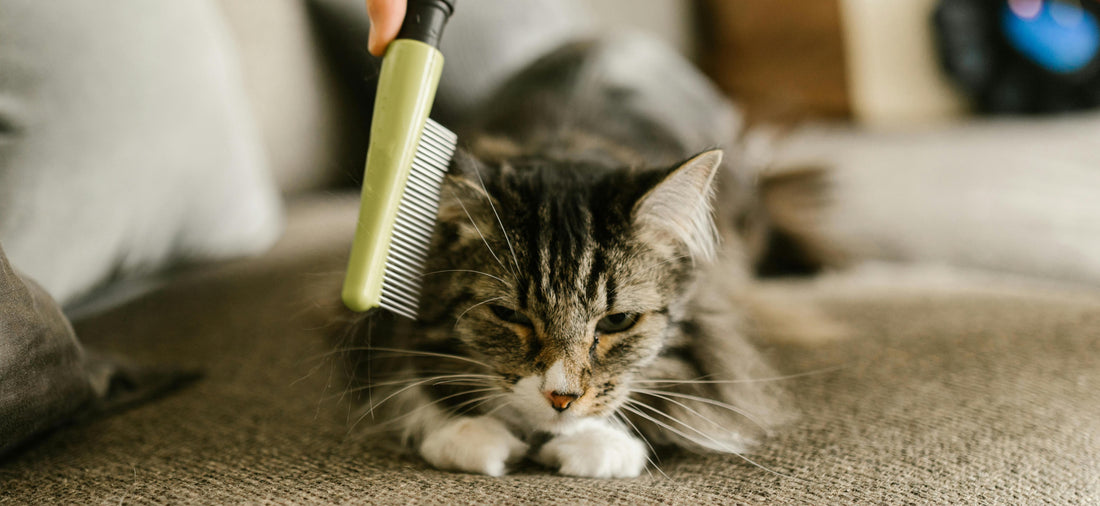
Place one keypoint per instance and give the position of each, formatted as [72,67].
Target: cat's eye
[617,322]
[510,315]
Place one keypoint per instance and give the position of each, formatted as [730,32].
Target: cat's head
[566,278]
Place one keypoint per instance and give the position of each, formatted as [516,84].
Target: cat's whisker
[661,393]
[425,406]
[689,438]
[369,409]
[370,334]
[717,445]
[397,419]
[408,352]
[492,299]
[370,391]
[456,379]
[422,406]
[454,376]
[406,373]
[472,222]
[693,411]
[383,401]
[739,381]
[384,426]
[432,382]
[346,336]
[479,401]
[498,408]
[471,271]
[311,372]
[492,206]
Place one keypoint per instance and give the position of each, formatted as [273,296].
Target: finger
[385,21]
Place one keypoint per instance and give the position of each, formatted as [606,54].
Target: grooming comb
[406,161]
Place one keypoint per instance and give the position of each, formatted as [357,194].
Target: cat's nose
[560,400]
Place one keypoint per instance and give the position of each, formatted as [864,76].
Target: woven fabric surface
[970,395]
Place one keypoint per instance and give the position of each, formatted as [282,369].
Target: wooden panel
[894,72]
[783,60]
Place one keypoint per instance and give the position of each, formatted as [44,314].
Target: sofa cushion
[946,390]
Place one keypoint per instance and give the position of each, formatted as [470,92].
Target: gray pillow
[126,142]
[46,377]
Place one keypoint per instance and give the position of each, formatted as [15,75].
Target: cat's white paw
[595,451]
[474,445]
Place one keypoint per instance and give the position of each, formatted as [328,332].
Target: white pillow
[126,142]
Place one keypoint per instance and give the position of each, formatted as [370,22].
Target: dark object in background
[1022,56]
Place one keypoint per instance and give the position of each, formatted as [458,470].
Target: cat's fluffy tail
[1015,196]
[790,236]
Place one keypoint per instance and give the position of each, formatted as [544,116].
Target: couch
[946,387]
[937,385]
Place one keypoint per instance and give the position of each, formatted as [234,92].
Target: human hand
[385,20]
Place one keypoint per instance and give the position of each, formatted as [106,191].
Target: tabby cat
[580,305]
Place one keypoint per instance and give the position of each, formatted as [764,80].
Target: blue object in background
[1061,37]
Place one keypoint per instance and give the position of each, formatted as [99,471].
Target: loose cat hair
[581,305]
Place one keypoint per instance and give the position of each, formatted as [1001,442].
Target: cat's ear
[678,207]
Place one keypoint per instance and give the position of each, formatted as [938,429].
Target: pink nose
[560,400]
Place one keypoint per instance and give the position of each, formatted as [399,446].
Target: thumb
[385,21]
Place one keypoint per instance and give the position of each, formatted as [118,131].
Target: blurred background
[953,132]
[898,64]
[956,133]
[883,64]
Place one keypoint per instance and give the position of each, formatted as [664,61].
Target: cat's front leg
[595,449]
[472,444]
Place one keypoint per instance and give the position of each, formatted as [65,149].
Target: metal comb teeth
[416,215]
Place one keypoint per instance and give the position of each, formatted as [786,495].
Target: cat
[581,305]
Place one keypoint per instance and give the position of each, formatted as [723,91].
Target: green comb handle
[406,90]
